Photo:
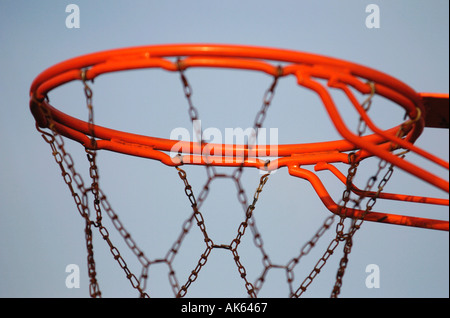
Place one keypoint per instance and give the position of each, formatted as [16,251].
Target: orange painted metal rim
[307,68]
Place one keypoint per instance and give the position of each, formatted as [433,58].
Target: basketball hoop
[309,70]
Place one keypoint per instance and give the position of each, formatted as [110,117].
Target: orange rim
[305,67]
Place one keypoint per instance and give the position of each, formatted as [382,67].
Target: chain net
[89,194]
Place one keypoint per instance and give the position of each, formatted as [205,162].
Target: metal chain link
[201,224]
[241,231]
[62,157]
[340,236]
[357,222]
[362,126]
[252,289]
[192,110]
[304,251]
[355,225]
[93,172]
[267,101]
[348,237]
[242,198]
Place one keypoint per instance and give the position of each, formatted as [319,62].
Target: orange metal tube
[382,195]
[312,153]
[130,55]
[358,141]
[369,216]
[405,143]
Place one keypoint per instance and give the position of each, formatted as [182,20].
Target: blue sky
[41,230]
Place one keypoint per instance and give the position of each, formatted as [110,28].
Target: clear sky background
[41,231]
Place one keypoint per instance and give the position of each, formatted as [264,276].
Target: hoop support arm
[382,195]
[369,216]
[303,79]
[437,109]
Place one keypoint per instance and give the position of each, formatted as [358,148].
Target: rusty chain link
[93,172]
[241,231]
[201,224]
[357,222]
[242,198]
[340,236]
[62,157]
